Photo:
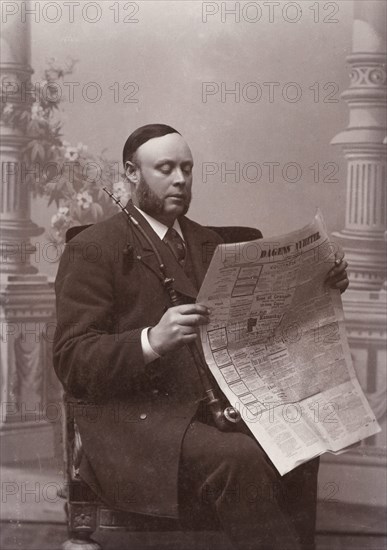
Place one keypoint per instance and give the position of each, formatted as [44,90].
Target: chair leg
[77,543]
[82,522]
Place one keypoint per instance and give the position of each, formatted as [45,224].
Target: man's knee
[242,471]
[244,453]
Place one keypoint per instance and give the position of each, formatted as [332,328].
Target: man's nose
[178,176]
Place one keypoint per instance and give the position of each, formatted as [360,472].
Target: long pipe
[226,418]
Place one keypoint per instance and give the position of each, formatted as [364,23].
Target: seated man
[121,348]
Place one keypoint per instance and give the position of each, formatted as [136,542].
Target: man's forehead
[170,146]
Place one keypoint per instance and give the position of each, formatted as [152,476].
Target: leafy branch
[69,176]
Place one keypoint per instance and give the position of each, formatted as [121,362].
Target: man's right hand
[177,327]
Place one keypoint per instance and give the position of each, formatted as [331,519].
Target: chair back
[229,234]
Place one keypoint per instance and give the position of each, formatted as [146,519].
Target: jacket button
[143,416]
[155,392]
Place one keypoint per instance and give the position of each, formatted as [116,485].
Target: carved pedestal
[360,474]
[27,324]
[26,299]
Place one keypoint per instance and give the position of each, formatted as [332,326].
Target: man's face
[164,178]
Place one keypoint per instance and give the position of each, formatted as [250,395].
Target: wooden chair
[85,512]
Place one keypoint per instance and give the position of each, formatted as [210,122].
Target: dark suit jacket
[131,416]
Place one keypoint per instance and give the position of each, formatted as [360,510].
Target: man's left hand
[337,277]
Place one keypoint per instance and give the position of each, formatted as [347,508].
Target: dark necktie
[176,244]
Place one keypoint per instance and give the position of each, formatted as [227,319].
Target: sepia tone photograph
[193,275]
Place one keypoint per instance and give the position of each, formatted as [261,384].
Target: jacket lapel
[173,269]
[201,246]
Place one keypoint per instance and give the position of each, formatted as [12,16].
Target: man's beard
[150,203]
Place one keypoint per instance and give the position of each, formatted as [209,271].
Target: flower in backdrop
[84,200]
[37,112]
[61,217]
[120,190]
[73,178]
[61,221]
[8,109]
[73,153]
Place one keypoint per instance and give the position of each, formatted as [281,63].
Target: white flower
[61,218]
[36,111]
[120,190]
[84,200]
[71,153]
[8,109]
[81,148]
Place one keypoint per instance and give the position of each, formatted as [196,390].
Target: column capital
[16,227]
[365,149]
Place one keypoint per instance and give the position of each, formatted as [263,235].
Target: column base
[365,314]
[366,256]
[18,442]
[30,392]
[356,476]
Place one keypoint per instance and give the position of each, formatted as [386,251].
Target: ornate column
[363,238]
[26,300]
[364,148]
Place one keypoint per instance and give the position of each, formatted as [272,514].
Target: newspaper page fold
[277,347]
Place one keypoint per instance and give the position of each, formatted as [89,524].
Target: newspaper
[277,347]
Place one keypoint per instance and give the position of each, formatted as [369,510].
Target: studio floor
[340,527]
[33,518]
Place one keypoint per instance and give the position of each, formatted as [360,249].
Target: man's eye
[165,169]
[187,170]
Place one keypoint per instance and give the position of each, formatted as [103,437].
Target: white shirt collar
[159,228]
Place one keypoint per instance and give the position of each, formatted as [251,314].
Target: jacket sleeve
[92,358]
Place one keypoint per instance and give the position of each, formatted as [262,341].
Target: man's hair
[142,135]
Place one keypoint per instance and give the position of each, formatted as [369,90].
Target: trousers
[226,481]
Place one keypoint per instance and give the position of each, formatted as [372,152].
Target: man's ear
[131,172]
